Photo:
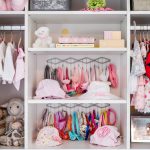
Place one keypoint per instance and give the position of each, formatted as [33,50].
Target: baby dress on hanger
[147,96]
[138,99]
[9,70]
[2,56]
[138,67]
[20,69]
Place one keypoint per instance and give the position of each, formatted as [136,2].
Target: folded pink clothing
[49,88]
[3,5]
[8,4]
[106,136]
[18,5]
[76,40]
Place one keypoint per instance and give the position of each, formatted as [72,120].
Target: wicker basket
[141,5]
[49,5]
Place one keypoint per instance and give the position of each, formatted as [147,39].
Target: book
[74,45]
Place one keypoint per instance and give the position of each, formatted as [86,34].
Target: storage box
[112,35]
[112,43]
[140,5]
[49,5]
[140,128]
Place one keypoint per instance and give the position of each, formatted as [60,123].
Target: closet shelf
[141,141]
[11,147]
[11,12]
[39,101]
[62,51]
[139,12]
[98,18]
[77,12]
[140,146]
[77,145]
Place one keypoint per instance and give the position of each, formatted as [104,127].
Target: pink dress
[138,99]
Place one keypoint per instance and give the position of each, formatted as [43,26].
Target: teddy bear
[44,40]
[14,135]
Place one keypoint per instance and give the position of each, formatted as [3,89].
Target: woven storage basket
[49,5]
[141,5]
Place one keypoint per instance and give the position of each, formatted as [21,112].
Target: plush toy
[15,135]
[14,123]
[44,40]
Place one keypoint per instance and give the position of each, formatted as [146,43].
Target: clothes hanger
[143,36]
[140,40]
[11,37]
[147,39]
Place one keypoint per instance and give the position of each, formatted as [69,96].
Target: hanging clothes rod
[71,60]
[78,105]
[12,28]
[140,28]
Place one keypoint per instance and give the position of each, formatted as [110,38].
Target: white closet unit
[37,109]
[8,91]
[142,19]
[79,23]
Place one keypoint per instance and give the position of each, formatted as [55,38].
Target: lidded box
[49,5]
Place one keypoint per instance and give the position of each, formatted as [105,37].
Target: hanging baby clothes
[138,67]
[138,98]
[47,72]
[133,84]
[147,96]
[20,69]
[143,50]
[2,56]
[9,70]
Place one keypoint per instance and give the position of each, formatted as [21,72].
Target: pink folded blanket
[76,40]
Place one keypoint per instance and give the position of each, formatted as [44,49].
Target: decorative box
[112,43]
[112,35]
[140,129]
[140,5]
[76,40]
[49,5]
